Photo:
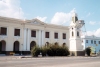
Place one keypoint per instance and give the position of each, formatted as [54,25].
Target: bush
[88,51]
[44,51]
[35,51]
[51,50]
[56,50]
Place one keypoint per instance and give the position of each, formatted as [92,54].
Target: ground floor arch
[32,44]
[56,43]
[2,47]
[16,47]
[64,44]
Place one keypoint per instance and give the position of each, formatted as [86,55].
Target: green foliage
[88,51]
[51,50]
[92,49]
[44,51]
[56,50]
[35,51]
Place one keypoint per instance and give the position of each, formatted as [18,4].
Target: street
[51,62]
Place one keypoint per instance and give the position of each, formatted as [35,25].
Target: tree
[88,51]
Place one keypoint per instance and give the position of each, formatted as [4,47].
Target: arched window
[64,44]
[77,33]
[72,33]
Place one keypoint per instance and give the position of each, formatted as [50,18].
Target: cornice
[11,20]
[57,26]
[28,22]
[90,37]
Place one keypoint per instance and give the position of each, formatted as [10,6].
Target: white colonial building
[18,35]
[91,41]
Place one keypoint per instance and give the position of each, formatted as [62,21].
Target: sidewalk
[29,57]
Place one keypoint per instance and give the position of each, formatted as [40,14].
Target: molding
[11,20]
[32,22]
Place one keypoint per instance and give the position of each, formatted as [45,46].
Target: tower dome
[74,14]
[74,17]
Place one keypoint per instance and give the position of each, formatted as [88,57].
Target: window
[56,35]
[64,35]
[76,19]
[17,32]
[94,42]
[46,34]
[77,33]
[3,31]
[86,41]
[91,41]
[99,42]
[33,33]
[72,33]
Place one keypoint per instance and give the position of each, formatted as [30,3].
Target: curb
[44,58]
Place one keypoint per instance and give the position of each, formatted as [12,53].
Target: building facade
[18,35]
[91,41]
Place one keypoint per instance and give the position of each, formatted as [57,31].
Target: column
[39,38]
[28,40]
[25,33]
[42,39]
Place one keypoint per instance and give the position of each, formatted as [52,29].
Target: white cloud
[62,18]
[42,18]
[89,33]
[11,8]
[92,22]
[95,33]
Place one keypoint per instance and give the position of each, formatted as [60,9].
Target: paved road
[51,62]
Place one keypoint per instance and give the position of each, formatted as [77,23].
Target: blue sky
[55,11]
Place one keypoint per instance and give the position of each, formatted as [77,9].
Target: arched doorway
[32,44]
[2,47]
[16,47]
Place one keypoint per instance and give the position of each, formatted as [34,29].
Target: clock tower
[76,48]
